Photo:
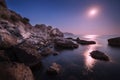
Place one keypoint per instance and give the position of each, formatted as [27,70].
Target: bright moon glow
[93,12]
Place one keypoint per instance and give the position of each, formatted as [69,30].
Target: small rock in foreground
[54,69]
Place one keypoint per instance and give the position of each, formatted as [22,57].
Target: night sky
[72,15]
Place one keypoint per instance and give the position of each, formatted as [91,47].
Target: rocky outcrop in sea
[115,42]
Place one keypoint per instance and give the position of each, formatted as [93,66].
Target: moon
[93,12]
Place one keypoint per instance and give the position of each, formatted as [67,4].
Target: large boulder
[15,71]
[25,53]
[114,42]
[7,40]
[84,42]
[65,43]
[99,55]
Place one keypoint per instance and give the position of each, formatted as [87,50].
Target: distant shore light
[91,36]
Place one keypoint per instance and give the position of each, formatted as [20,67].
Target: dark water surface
[77,64]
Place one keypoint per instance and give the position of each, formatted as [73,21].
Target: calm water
[77,64]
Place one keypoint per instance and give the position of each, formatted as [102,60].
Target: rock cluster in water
[82,42]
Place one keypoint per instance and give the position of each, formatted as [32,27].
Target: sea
[77,64]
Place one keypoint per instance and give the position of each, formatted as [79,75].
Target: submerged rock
[15,71]
[65,44]
[84,42]
[54,69]
[99,55]
[114,42]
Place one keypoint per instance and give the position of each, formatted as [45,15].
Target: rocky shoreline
[22,46]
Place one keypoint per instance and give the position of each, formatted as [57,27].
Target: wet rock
[84,42]
[54,69]
[65,44]
[7,41]
[99,55]
[114,42]
[15,71]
